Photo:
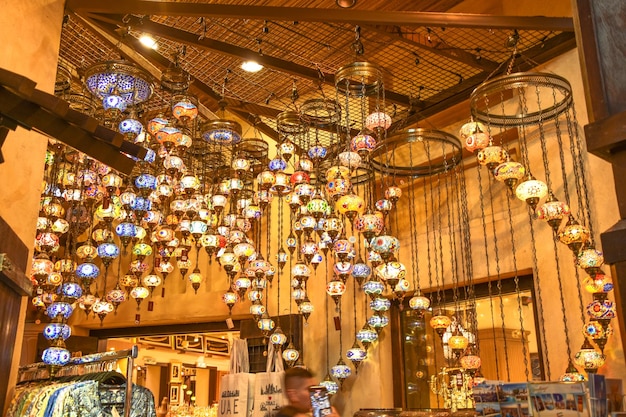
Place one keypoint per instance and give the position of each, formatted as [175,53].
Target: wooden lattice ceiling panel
[427,67]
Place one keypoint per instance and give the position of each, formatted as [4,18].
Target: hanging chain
[327,315]
[280,240]
[452,236]
[465,232]
[559,138]
[542,135]
[498,274]
[483,218]
[579,170]
[517,288]
[428,257]
[413,227]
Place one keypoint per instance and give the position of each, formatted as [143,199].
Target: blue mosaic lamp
[356,354]
[56,356]
[331,386]
[118,84]
[367,335]
[221,131]
[341,371]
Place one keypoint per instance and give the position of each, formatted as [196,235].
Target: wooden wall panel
[10,303]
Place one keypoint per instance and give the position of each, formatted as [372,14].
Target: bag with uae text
[237,387]
[269,390]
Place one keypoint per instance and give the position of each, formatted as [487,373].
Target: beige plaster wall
[32,53]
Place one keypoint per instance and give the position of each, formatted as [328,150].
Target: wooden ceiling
[431,58]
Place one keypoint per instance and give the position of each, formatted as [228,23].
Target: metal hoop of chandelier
[436,152]
[289,123]
[253,148]
[554,89]
[359,79]
[175,80]
[320,113]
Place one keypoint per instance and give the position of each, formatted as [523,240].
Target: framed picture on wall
[216,346]
[189,343]
[160,341]
[176,372]
[175,394]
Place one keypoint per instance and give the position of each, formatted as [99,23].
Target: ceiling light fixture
[251,66]
[345,4]
[148,41]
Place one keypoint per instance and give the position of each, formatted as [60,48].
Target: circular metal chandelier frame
[444,153]
[545,85]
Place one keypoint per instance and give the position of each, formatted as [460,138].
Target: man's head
[297,383]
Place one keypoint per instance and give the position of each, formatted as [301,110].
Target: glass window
[497,318]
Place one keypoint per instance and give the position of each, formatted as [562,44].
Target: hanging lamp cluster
[546,102]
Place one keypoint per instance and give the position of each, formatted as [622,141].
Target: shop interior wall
[32,53]
[372,388]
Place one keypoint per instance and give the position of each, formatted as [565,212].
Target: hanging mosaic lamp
[572,374]
[356,354]
[335,289]
[119,78]
[341,371]
[531,191]
[305,308]
[589,358]
[590,259]
[492,156]
[266,324]
[56,356]
[419,303]
[366,336]
[230,298]
[378,322]
[331,386]
[553,212]
[474,136]
[278,337]
[509,172]
[291,354]
[440,322]
[184,109]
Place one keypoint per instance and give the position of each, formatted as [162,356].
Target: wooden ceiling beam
[394,33]
[223,48]
[351,16]
[532,57]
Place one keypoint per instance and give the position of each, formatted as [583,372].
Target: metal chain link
[487,263]
[413,227]
[439,236]
[517,289]
[498,274]
[466,233]
[580,162]
[559,139]
[428,257]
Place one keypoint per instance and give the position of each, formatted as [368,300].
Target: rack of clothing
[86,386]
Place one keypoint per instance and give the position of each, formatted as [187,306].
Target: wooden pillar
[601,38]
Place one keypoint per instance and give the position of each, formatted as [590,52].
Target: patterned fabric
[142,400]
[87,398]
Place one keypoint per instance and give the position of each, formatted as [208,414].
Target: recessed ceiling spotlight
[345,4]
[251,66]
[148,41]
